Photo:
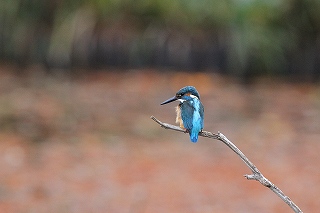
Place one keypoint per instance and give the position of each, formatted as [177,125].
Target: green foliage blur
[238,37]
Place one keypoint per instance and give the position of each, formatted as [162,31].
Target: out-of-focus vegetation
[240,37]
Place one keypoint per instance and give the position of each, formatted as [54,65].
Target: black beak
[169,100]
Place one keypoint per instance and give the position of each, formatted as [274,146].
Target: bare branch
[256,174]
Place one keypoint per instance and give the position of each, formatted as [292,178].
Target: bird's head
[183,94]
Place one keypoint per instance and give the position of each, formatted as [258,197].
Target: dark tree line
[241,38]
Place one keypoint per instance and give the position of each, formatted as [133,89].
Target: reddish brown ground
[87,144]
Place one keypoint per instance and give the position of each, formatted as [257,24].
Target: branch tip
[257,175]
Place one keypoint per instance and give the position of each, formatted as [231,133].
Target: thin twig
[256,174]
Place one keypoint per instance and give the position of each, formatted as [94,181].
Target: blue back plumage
[192,115]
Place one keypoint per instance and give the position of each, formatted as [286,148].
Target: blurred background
[79,81]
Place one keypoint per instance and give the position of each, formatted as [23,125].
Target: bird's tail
[194,136]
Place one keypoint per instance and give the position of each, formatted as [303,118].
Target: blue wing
[187,114]
[192,116]
[201,109]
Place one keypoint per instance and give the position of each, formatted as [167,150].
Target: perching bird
[189,111]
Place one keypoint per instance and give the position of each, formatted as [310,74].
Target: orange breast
[178,118]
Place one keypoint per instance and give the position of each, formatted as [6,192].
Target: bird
[190,111]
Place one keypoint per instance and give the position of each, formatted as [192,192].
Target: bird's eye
[179,96]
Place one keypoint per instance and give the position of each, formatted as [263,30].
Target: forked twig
[256,174]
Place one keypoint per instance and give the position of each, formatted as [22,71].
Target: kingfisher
[189,111]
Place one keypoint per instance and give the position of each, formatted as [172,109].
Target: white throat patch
[193,96]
